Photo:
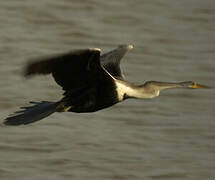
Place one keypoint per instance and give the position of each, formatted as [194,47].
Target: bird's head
[193,85]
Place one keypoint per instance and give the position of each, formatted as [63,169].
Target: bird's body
[100,90]
[91,82]
[95,97]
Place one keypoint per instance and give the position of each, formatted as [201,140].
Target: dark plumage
[83,75]
[91,82]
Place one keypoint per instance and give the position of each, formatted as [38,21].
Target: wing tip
[95,49]
[128,47]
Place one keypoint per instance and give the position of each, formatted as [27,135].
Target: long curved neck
[150,89]
[156,85]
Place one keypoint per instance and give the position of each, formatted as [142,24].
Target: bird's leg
[67,108]
[62,107]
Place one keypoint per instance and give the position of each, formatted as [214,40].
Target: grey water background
[170,137]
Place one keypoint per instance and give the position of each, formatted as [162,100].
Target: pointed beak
[197,86]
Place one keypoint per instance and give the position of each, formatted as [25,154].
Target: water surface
[170,137]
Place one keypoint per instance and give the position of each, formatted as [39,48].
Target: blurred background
[170,137]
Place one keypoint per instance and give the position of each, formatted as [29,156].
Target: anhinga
[91,82]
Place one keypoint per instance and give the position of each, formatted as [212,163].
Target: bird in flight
[90,81]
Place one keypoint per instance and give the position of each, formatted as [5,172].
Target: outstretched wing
[73,70]
[111,60]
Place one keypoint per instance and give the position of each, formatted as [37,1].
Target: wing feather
[72,70]
[111,60]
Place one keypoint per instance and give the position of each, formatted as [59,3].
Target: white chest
[123,90]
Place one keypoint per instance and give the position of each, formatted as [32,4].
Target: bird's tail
[33,113]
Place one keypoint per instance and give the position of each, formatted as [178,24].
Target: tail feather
[31,114]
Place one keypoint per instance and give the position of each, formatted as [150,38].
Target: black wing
[111,60]
[74,70]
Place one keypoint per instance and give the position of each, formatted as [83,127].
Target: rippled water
[170,137]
